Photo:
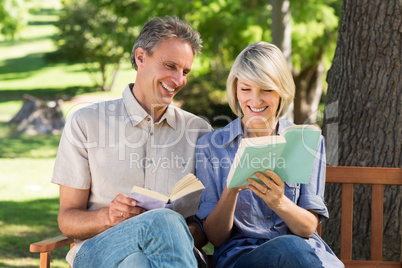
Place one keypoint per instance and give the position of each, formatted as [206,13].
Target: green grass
[29,207]
[24,69]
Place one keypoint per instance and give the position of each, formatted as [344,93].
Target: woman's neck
[253,129]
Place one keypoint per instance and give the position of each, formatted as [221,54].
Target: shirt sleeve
[312,194]
[205,172]
[71,167]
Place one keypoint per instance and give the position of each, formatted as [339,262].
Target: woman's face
[259,105]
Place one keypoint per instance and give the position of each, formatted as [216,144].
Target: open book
[291,156]
[183,198]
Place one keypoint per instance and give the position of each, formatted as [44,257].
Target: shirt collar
[137,114]
[234,130]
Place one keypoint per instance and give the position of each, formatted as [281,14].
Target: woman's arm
[219,223]
[299,220]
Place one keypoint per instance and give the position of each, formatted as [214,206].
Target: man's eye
[170,66]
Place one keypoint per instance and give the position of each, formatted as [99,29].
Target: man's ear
[140,54]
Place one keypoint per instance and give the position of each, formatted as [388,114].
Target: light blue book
[291,156]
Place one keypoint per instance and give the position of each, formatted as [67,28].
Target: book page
[299,153]
[182,184]
[192,185]
[252,157]
[150,193]
[187,205]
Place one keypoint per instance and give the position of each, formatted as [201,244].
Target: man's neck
[156,111]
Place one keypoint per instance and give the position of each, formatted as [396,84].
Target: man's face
[163,74]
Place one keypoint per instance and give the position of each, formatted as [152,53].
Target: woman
[260,225]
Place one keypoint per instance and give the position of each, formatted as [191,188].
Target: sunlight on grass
[26,179]
[8,109]
[31,262]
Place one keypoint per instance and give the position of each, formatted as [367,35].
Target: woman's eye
[268,90]
[245,89]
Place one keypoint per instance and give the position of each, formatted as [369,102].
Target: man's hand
[122,208]
[76,221]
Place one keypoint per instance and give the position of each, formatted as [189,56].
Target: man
[140,139]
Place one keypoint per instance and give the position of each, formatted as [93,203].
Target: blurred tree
[226,26]
[363,123]
[314,32]
[13,16]
[97,37]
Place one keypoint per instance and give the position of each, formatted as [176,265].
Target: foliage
[91,35]
[13,17]
[314,31]
[226,26]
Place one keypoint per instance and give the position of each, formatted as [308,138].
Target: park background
[78,52]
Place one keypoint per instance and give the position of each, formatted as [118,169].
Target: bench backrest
[377,177]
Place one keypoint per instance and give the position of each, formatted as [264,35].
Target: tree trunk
[308,93]
[281,29]
[281,33]
[362,123]
[37,117]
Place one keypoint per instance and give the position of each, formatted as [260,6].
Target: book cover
[291,156]
[183,198]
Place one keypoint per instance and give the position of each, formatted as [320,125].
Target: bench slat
[377,208]
[346,222]
[366,175]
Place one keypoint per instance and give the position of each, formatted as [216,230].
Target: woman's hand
[300,221]
[272,191]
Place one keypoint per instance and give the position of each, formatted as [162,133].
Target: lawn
[28,200]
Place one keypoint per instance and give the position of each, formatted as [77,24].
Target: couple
[96,167]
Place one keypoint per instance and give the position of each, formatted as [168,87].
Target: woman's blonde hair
[264,65]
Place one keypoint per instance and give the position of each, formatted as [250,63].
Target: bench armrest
[50,244]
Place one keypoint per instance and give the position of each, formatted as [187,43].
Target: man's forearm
[82,224]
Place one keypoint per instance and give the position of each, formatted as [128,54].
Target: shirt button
[151,133]
[148,119]
[268,218]
[272,229]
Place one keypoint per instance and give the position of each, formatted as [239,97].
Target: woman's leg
[283,251]
[161,234]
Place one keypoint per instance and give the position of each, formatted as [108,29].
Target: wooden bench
[347,177]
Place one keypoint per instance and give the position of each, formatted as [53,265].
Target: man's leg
[161,234]
[283,251]
[137,260]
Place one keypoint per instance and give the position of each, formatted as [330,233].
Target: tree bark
[38,117]
[362,123]
[308,93]
[281,34]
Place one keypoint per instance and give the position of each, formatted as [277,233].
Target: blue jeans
[160,236]
[283,251]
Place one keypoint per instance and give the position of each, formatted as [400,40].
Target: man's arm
[75,221]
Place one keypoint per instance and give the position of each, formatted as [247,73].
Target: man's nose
[179,79]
